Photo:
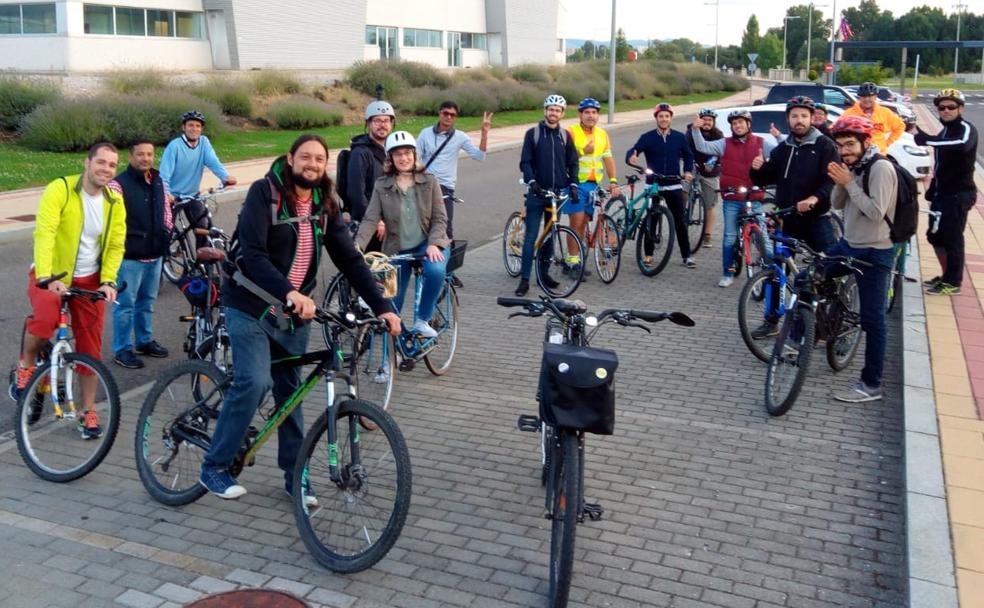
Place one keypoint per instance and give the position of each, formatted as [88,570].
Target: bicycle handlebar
[77,291]
[571,308]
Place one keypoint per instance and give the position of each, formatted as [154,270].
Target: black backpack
[906,220]
[341,177]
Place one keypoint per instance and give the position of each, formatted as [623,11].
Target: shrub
[363,76]
[64,126]
[232,96]
[532,73]
[300,112]
[20,96]
[514,95]
[418,74]
[269,83]
[135,82]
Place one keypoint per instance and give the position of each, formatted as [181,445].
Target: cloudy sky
[645,19]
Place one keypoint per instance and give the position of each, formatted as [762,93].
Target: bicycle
[368,472]
[206,338]
[582,403]
[750,247]
[603,238]
[825,305]
[647,216]
[696,216]
[47,405]
[552,249]
[901,256]
[183,244]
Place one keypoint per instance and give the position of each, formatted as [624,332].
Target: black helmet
[193,115]
[868,88]
[801,101]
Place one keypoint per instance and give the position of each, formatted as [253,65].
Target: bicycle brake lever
[517,314]
[639,325]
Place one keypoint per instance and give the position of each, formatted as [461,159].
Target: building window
[130,22]
[28,19]
[97,19]
[189,25]
[160,23]
[372,36]
[474,41]
[421,38]
[126,21]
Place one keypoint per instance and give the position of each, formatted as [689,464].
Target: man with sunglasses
[952,191]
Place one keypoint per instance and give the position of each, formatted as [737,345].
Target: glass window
[473,41]
[836,98]
[761,121]
[98,19]
[421,38]
[130,22]
[189,25]
[160,23]
[371,35]
[39,19]
[10,21]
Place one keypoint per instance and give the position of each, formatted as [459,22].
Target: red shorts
[86,316]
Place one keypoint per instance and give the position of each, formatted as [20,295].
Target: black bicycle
[188,214]
[576,396]
[207,338]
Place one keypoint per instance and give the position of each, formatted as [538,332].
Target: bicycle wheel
[696,220]
[615,209]
[555,261]
[445,322]
[340,299]
[790,360]
[374,365]
[894,291]
[656,232]
[174,430]
[757,256]
[174,265]
[837,223]
[53,447]
[607,249]
[360,516]
[564,512]
[842,348]
[512,243]
[751,308]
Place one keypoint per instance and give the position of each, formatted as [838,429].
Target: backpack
[341,177]
[536,136]
[906,220]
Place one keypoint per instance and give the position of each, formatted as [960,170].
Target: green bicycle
[646,219]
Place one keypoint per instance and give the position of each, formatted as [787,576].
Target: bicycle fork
[61,345]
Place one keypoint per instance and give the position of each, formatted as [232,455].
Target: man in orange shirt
[888,127]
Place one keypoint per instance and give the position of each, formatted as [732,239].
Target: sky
[656,19]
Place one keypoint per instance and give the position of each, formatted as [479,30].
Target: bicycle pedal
[407,365]
[593,510]
[528,423]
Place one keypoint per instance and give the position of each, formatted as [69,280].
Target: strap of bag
[439,148]
[262,294]
[864,182]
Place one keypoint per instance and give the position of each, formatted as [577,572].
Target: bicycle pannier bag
[577,387]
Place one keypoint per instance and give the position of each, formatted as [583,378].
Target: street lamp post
[809,36]
[611,72]
[785,28]
[833,38]
[956,52]
[717,11]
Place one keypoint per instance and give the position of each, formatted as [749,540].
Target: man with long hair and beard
[286,219]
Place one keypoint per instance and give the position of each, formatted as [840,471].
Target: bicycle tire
[546,445]
[191,391]
[758,255]
[894,290]
[445,321]
[607,249]
[512,243]
[373,368]
[696,220]
[568,278]
[778,403]
[750,311]
[837,224]
[842,349]
[615,209]
[353,501]
[339,298]
[564,510]
[174,267]
[43,439]
[663,239]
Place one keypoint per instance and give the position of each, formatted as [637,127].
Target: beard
[303,182]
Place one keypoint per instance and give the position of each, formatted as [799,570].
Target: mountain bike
[603,238]
[576,396]
[48,420]
[647,216]
[363,478]
[751,243]
[825,305]
[555,245]
[206,338]
[696,215]
[180,256]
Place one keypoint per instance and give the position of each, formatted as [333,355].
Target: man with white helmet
[365,164]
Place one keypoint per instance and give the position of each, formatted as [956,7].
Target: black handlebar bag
[577,387]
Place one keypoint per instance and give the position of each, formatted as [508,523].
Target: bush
[418,74]
[232,96]
[363,76]
[270,83]
[20,96]
[300,112]
[532,73]
[135,82]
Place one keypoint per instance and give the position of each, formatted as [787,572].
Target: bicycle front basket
[577,387]
[383,272]
[457,257]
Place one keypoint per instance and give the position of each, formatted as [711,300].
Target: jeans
[434,273]
[873,291]
[134,312]
[448,195]
[253,344]
[535,208]
[731,210]
[950,235]
[677,203]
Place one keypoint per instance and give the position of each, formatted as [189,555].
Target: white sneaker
[382,375]
[726,281]
[424,329]
[690,263]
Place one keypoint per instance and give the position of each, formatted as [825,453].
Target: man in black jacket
[148,228]
[286,219]
[365,164]
[952,191]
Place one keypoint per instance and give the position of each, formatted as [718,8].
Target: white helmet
[400,139]
[555,100]
[380,108]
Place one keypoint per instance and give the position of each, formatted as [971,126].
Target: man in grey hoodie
[866,238]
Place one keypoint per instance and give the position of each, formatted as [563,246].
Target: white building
[180,35]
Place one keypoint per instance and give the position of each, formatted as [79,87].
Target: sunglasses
[449,113]
[944,106]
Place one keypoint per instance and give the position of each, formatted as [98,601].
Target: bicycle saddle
[209,254]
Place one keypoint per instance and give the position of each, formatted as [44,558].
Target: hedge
[300,112]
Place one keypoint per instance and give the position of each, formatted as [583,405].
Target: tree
[622,46]
[589,49]
[751,38]
[798,29]
[770,52]
[731,56]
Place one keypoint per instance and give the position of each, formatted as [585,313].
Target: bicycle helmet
[380,108]
[868,88]
[400,139]
[853,125]
[193,115]
[705,112]
[555,100]
[821,107]
[588,102]
[662,107]
[740,114]
[951,94]
[801,101]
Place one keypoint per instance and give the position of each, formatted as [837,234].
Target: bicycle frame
[636,207]
[62,346]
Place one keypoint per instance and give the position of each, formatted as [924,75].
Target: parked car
[914,159]
[884,94]
[831,95]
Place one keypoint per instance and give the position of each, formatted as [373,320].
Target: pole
[611,72]
[717,12]
[809,37]
[956,51]
[905,59]
[833,38]
[915,81]
[785,26]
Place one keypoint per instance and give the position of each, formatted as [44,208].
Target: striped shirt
[305,246]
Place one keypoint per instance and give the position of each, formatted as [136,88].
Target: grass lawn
[938,83]
[24,168]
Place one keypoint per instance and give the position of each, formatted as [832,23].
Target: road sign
[828,68]
[752,57]
[752,67]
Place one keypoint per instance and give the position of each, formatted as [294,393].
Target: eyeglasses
[449,113]
[944,106]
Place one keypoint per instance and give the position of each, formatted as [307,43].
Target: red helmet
[662,107]
[852,125]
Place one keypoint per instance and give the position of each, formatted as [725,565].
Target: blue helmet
[588,102]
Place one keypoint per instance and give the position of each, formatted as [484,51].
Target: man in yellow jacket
[79,235]
[888,126]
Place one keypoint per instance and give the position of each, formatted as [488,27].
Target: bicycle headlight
[915,150]
[591,321]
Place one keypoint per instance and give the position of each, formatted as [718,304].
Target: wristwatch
[108,283]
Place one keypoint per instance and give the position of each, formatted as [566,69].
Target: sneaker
[726,281]
[456,281]
[707,239]
[859,393]
[19,378]
[522,288]
[127,359]
[943,289]
[765,330]
[310,498]
[550,282]
[690,263]
[221,483]
[382,375]
[424,329]
[152,349]
[89,425]
[932,282]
